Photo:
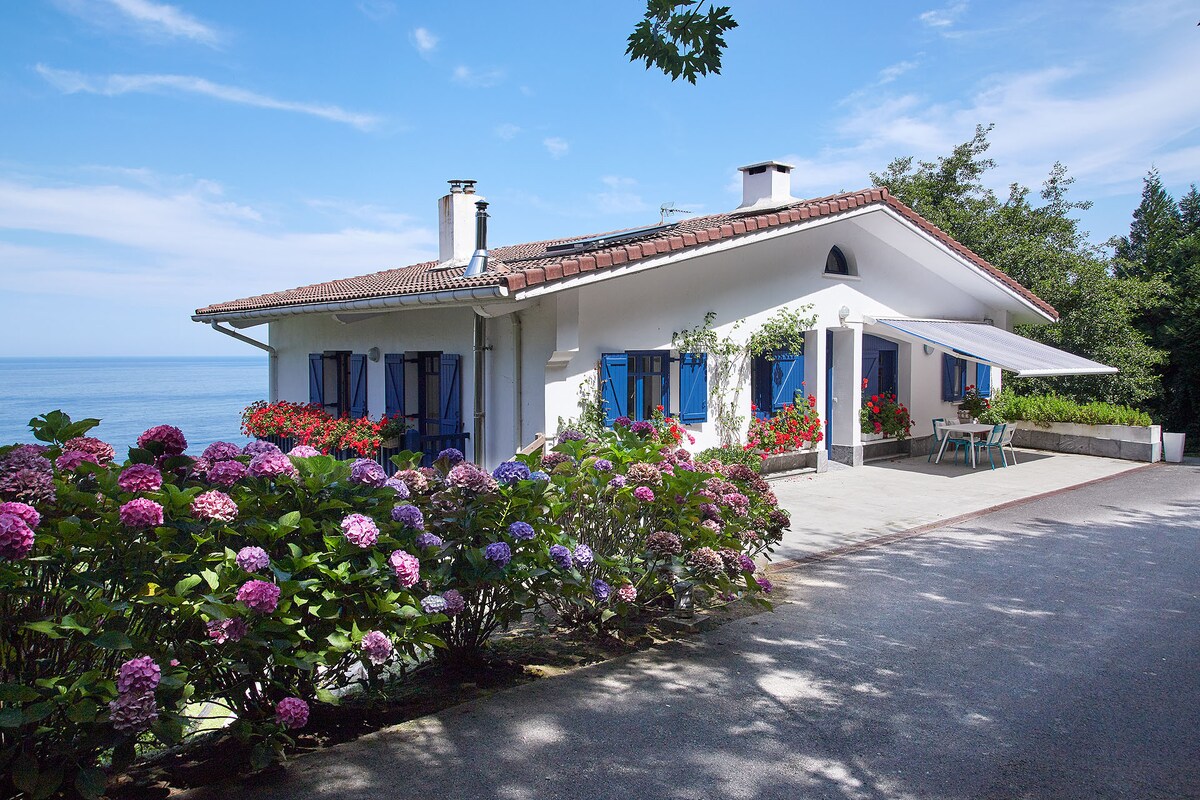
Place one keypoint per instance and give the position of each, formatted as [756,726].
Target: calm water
[203,396]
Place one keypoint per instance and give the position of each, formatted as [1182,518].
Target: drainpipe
[480,387]
[518,397]
[272,358]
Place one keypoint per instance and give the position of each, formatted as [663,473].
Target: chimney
[479,259]
[766,185]
[456,223]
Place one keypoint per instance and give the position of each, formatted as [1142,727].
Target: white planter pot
[1173,447]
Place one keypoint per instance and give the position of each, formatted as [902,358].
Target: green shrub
[731,455]
[1048,408]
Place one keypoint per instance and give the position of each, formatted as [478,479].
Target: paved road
[1047,651]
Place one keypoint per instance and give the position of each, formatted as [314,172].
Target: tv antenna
[669,208]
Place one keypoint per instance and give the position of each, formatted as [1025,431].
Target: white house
[486,347]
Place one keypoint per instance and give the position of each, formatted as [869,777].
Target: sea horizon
[202,395]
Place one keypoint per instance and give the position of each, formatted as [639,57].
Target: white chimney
[456,223]
[766,185]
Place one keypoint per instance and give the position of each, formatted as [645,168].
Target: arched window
[835,262]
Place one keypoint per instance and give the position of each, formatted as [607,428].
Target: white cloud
[149,19]
[70,82]
[943,18]
[619,196]
[894,71]
[424,41]
[477,79]
[507,130]
[377,10]
[556,146]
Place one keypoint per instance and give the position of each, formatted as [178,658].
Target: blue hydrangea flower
[601,590]
[561,556]
[511,472]
[499,553]
[521,531]
[428,540]
[433,604]
[539,476]
[410,516]
[603,465]
[583,556]
[453,455]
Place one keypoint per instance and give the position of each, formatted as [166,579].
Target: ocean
[202,396]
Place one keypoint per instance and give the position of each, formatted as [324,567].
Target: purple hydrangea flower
[259,596]
[583,556]
[168,437]
[554,458]
[664,543]
[454,602]
[471,478]
[425,540]
[499,553]
[409,516]
[252,559]
[138,675]
[221,451]
[538,475]
[642,428]
[746,563]
[560,555]
[601,590]
[453,455]
[738,502]
[406,566]
[764,584]
[214,505]
[360,530]
[141,513]
[622,422]
[376,646]
[433,604]
[603,465]
[367,472]
[227,630]
[521,531]
[26,512]
[70,460]
[140,478]
[617,482]
[226,473]
[710,511]
[291,712]
[133,712]
[258,447]
[570,435]
[303,451]
[101,450]
[705,561]
[644,494]
[511,472]
[272,465]
[399,487]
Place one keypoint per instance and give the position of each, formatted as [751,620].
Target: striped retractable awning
[987,344]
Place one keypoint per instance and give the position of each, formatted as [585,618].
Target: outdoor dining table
[970,429]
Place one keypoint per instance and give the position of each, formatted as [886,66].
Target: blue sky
[161,156]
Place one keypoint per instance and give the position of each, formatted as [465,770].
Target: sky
[158,157]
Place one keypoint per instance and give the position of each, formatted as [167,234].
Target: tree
[1154,234]
[681,38]
[1042,246]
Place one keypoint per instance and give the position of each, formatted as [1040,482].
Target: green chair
[993,444]
[938,435]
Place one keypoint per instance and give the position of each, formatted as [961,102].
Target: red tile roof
[521,266]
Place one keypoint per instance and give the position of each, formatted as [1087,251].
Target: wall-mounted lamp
[843,315]
[928,349]
[373,354]
[989,321]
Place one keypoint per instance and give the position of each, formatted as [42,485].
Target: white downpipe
[272,358]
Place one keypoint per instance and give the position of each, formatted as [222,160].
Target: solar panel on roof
[603,240]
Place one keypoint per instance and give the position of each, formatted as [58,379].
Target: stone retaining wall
[1130,442]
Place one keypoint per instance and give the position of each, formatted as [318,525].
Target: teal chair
[993,444]
[938,435]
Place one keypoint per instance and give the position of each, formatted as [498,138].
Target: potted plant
[973,405]
[392,430]
[884,415]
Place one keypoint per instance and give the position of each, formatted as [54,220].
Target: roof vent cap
[767,184]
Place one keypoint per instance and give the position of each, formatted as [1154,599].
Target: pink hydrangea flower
[303,451]
[406,566]
[169,437]
[140,478]
[738,502]
[133,712]
[141,512]
[26,512]
[252,559]
[16,538]
[70,460]
[291,712]
[259,596]
[139,674]
[101,450]
[214,505]
[227,630]
[226,473]
[377,647]
[644,494]
[360,530]
[272,465]
[627,593]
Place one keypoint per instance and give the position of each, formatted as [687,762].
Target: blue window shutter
[887,371]
[665,384]
[983,380]
[948,381]
[358,385]
[614,386]
[870,371]
[693,387]
[393,383]
[787,378]
[316,379]
[451,390]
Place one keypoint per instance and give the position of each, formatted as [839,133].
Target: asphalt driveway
[1050,650]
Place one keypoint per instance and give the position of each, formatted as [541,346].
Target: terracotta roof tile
[521,266]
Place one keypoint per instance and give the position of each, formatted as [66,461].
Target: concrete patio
[847,506]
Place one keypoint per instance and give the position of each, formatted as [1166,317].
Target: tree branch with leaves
[683,38]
